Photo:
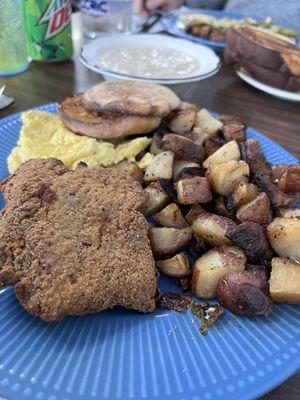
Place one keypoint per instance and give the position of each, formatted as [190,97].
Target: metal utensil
[2,88]
[151,21]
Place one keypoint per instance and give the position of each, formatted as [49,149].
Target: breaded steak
[74,242]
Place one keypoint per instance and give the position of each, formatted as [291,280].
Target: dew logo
[57,15]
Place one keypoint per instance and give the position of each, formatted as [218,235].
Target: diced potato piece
[195,210]
[167,241]
[183,147]
[180,164]
[171,217]
[284,236]
[225,177]
[145,161]
[182,121]
[160,167]
[242,194]
[207,122]
[288,212]
[177,266]
[193,190]
[212,228]
[287,177]
[285,281]
[157,199]
[257,210]
[132,169]
[228,152]
[214,265]
[197,135]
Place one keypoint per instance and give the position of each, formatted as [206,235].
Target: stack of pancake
[268,57]
[117,109]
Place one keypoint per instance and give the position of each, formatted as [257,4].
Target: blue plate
[125,355]
[171,25]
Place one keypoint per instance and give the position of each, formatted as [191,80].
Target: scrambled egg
[44,135]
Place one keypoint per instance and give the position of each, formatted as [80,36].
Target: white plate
[282,94]
[91,52]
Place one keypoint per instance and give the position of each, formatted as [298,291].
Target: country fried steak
[75,242]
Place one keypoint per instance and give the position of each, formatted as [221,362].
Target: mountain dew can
[48,29]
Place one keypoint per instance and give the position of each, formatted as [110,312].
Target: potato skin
[257,210]
[224,177]
[212,266]
[193,190]
[244,293]
[183,147]
[252,239]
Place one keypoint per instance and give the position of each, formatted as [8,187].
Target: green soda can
[48,29]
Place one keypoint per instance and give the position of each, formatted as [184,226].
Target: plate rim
[272,91]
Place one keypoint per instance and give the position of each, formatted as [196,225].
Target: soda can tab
[48,29]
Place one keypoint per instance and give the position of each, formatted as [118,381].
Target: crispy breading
[75,242]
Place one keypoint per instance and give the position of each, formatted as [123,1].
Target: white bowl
[209,62]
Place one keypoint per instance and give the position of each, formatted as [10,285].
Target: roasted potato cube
[288,212]
[171,217]
[277,198]
[257,210]
[197,135]
[145,161]
[287,177]
[195,210]
[193,190]
[250,150]
[160,167]
[233,128]
[224,177]
[244,293]
[207,123]
[284,236]
[228,152]
[132,169]
[285,281]
[213,228]
[182,120]
[212,266]
[157,199]
[180,164]
[183,147]
[166,242]
[242,194]
[252,239]
[189,172]
[177,266]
